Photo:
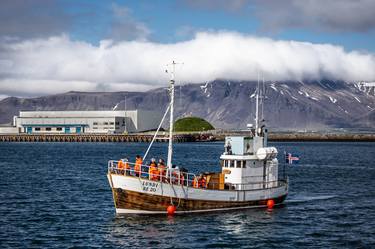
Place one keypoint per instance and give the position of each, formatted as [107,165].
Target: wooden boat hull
[127,201]
[131,196]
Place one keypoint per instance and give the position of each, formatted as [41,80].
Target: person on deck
[126,166]
[138,165]
[195,182]
[228,147]
[182,178]
[161,169]
[203,182]
[153,170]
[120,167]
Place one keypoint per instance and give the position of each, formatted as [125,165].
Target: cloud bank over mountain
[59,64]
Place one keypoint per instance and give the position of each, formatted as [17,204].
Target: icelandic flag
[291,158]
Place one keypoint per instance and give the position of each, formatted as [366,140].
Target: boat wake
[300,199]
[348,167]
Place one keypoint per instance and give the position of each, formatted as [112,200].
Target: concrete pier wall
[187,137]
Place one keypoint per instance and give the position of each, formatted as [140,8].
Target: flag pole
[284,165]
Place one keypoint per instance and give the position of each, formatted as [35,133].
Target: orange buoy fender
[171,209]
[270,203]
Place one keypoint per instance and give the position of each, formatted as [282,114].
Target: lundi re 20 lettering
[150,186]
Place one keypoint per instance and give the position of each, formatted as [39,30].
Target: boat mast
[257,109]
[170,146]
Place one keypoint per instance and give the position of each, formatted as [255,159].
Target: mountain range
[287,105]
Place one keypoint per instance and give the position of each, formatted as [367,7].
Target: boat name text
[150,186]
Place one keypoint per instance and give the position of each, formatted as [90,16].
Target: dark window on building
[117,123]
[59,128]
[243,164]
[112,123]
[48,128]
[37,128]
[105,123]
[95,123]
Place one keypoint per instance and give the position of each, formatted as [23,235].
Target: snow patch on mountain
[333,100]
[273,87]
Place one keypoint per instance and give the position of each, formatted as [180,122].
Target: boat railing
[178,177]
[172,176]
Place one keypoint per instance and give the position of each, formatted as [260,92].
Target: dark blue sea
[56,195]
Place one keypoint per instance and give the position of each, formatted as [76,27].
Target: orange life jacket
[203,182]
[195,182]
[138,165]
[153,171]
[120,165]
[161,169]
[126,165]
[175,177]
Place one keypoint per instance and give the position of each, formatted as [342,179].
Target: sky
[56,46]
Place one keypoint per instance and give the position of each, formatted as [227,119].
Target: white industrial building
[66,122]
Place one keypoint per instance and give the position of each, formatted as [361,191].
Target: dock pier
[187,137]
[89,138]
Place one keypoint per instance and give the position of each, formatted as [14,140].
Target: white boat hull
[141,196]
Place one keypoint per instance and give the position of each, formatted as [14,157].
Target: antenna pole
[170,145]
[257,109]
[262,99]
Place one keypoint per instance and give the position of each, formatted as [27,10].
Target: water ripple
[56,195]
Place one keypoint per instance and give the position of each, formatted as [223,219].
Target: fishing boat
[249,177]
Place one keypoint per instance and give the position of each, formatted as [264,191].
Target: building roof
[75,114]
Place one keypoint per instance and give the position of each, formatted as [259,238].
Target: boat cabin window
[241,164]
[224,163]
[233,164]
[238,164]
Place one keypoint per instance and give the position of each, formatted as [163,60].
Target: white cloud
[58,64]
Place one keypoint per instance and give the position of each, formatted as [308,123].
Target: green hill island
[192,124]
